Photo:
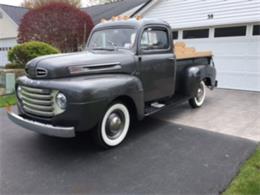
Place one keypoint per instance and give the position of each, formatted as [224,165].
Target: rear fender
[194,75]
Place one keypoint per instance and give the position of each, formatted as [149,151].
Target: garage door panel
[240,80]
[247,64]
[5,44]
[237,60]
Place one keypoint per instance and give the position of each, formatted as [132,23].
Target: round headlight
[61,100]
[19,92]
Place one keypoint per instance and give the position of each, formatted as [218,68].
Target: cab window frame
[156,28]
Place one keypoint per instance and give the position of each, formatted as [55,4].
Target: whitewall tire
[114,126]
[198,100]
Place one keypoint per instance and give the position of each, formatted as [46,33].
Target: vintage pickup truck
[128,71]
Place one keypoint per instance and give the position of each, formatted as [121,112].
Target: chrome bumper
[42,128]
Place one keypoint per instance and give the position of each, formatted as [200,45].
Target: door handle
[172,58]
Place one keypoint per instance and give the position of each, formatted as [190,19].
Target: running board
[156,106]
[153,108]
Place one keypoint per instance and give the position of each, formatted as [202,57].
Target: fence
[7,80]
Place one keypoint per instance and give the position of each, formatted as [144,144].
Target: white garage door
[5,45]
[236,50]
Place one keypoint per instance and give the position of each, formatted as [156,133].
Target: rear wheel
[114,126]
[198,100]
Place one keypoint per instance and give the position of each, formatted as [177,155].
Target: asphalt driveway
[157,157]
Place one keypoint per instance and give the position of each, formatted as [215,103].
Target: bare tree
[32,4]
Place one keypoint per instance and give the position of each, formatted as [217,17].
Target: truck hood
[87,62]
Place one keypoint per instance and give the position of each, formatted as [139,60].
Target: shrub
[21,54]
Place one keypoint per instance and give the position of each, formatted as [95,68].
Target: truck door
[156,63]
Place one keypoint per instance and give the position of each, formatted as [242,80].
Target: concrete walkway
[230,112]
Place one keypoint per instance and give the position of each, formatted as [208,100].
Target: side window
[155,39]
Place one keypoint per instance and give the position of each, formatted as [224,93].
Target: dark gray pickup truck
[128,71]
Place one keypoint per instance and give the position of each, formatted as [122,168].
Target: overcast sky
[16,2]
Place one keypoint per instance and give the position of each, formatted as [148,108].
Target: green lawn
[7,100]
[248,180]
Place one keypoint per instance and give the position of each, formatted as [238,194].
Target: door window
[155,39]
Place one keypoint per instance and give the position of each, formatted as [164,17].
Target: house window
[175,35]
[230,31]
[5,48]
[256,30]
[196,34]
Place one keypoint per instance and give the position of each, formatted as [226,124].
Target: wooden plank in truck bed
[183,52]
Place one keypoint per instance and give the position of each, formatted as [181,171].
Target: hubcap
[115,124]
[200,93]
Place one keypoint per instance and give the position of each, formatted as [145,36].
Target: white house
[10,18]
[230,28]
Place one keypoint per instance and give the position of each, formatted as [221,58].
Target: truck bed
[183,52]
[186,57]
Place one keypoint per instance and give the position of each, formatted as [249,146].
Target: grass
[248,180]
[7,100]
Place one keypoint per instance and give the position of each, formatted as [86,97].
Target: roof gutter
[141,8]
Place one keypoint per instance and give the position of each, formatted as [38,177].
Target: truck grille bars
[39,102]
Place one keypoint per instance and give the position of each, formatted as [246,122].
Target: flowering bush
[59,24]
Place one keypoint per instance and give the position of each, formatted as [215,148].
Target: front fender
[110,87]
[91,95]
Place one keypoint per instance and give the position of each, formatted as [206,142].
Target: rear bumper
[47,129]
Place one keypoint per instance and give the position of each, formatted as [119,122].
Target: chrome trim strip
[35,90]
[47,129]
[95,67]
[35,101]
[38,96]
[41,72]
[37,107]
[104,64]
[37,112]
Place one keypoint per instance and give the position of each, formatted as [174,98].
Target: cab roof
[132,22]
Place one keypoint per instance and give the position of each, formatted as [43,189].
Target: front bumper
[47,129]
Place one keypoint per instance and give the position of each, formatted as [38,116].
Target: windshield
[113,38]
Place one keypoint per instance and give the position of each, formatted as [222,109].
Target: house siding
[195,13]
[8,28]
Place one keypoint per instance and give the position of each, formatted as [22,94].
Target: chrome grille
[37,102]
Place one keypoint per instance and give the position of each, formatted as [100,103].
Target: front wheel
[198,100]
[114,126]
